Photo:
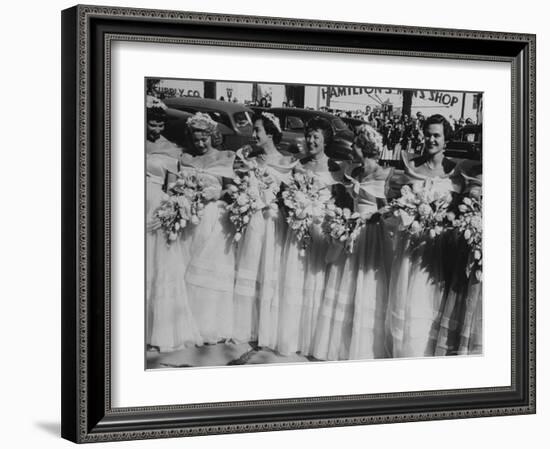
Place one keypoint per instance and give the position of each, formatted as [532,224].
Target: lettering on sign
[435,96]
[172,92]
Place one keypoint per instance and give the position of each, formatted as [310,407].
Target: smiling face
[202,141]
[434,138]
[154,129]
[315,142]
[261,138]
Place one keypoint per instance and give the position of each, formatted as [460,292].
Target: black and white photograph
[292,223]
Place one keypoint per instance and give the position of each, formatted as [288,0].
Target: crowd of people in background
[400,131]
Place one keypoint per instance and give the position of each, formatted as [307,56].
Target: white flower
[237,236]
[467,234]
[416,227]
[467,201]
[173,236]
[424,210]
[432,233]
[476,222]
[406,219]
[462,208]
[406,190]
[242,199]
[477,254]
[246,219]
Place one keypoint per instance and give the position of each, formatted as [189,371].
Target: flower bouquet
[468,223]
[172,215]
[252,191]
[342,226]
[184,204]
[422,212]
[304,200]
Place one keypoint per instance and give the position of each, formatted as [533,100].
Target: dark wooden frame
[87,33]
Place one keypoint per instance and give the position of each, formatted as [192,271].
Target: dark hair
[270,127]
[320,124]
[156,114]
[438,119]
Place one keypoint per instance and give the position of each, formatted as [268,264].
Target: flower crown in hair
[273,119]
[202,121]
[155,103]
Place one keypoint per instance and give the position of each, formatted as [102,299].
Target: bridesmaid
[210,274]
[459,330]
[303,279]
[417,285]
[170,323]
[351,322]
[259,250]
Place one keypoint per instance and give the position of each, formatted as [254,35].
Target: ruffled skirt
[352,316]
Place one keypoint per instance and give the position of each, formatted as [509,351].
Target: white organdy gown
[417,289]
[303,283]
[257,293]
[210,274]
[170,324]
[351,321]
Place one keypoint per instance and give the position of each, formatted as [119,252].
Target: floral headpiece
[369,140]
[155,103]
[202,122]
[273,119]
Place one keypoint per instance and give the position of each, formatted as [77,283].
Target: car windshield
[242,120]
[294,123]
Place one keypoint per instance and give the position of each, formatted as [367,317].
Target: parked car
[293,122]
[466,143]
[353,123]
[234,119]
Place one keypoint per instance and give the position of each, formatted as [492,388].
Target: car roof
[205,103]
[310,112]
[353,121]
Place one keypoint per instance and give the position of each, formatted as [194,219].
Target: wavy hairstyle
[320,124]
[438,119]
[156,109]
[369,141]
[271,125]
[203,123]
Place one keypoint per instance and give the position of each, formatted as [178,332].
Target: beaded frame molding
[87,34]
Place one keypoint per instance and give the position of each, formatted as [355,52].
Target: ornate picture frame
[88,33]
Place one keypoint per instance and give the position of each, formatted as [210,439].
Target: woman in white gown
[418,277]
[459,326]
[257,294]
[303,281]
[351,321]
[170,323]
[210,274]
